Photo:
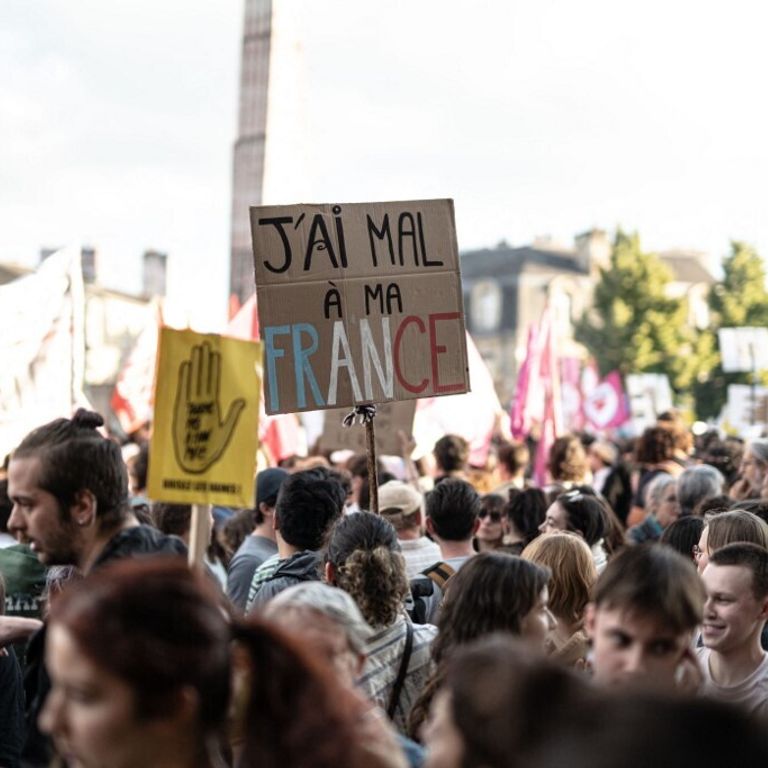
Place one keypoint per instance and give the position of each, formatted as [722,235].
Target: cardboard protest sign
[204,435]
[358,303]
[390,418]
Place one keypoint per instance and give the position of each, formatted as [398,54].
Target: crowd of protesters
[614,614]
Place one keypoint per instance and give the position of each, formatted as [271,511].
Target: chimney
[593,250]
[88,260]
[154,273]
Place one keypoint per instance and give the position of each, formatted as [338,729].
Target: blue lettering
[303,369]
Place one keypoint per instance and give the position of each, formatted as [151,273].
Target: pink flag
[549,384]
[521,416]
[605,403]
[571,391]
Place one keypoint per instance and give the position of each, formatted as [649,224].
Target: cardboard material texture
[205,430]
[390,418]
[358,303]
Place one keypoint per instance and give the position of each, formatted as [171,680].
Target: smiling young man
[734,665]
[648,603]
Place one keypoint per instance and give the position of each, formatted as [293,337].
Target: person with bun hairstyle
[140,668]
[69,488]
[363,558]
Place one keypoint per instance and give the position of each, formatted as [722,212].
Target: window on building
[485,306]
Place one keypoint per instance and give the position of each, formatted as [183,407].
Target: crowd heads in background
[469,616]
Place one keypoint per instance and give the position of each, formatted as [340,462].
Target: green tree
[634,325]
[739,299]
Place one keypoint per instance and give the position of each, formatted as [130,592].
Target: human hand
[689,676]
[407,444]
[199,434]
[740,489]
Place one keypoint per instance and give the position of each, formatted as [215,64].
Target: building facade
[506,290]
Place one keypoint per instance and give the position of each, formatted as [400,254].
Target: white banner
[42,347]
[743,349]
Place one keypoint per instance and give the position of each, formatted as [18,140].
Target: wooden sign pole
[367,413]
[373,479]
[199,534]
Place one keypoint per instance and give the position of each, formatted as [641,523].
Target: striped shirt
[265,571]
[385,651]
[419,554]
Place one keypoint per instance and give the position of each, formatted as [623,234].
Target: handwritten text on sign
[358,303]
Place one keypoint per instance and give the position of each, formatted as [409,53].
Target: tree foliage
[739,299]
[635,326]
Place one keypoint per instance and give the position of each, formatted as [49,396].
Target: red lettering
[437,349]
[396,354]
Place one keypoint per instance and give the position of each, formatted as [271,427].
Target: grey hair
[656,489]
[759,447]
[333,603]
[696,484]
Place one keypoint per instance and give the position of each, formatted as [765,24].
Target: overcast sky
[537,116]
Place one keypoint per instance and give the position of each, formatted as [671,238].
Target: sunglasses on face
[495,517]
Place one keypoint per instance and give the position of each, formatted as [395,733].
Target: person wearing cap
[402,504]
[261,543]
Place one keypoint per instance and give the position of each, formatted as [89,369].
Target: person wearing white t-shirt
[734,665]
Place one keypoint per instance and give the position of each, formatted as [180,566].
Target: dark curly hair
[655,445]
[365,553]
[567,459]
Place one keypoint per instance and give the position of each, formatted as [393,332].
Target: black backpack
[423,587]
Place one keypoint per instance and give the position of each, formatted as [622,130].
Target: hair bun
[87,419]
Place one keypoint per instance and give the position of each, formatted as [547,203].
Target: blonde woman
[573,577]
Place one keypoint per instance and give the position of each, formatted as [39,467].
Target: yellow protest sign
[205,430]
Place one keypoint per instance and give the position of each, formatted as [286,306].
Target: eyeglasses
[495,517]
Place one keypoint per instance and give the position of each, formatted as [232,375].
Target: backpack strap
[440,573]
[397,688]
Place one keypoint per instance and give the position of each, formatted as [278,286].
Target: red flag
[280,434]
